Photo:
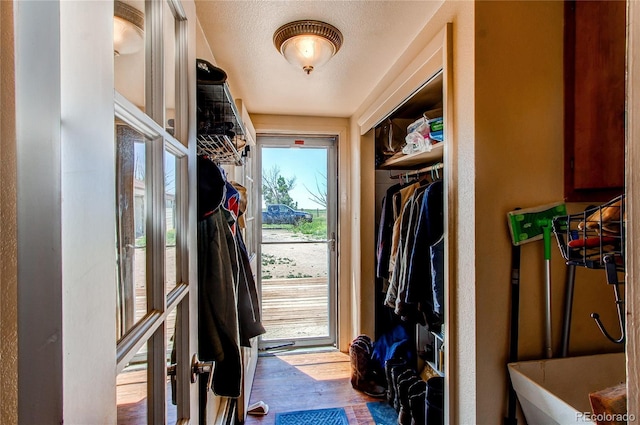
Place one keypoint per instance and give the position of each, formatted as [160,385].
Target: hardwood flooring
[313,380]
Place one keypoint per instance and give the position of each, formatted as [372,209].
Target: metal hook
[612,279]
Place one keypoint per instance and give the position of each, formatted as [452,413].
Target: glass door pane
[131,238]
[297,242]
[131,390]
[129,51]
[171,173]
[169,44]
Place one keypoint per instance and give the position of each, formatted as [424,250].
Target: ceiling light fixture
[128,29]
[307,44]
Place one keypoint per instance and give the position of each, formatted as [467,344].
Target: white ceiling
[240,34]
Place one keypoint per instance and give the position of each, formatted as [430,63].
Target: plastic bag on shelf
[416,142]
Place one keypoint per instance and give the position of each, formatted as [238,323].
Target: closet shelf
[221,132]
[415,160]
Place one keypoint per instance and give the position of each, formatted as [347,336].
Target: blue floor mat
[382,413]
[335,416]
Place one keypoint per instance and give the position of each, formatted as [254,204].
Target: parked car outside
[284,214]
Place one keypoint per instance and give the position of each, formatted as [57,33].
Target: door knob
[198,367]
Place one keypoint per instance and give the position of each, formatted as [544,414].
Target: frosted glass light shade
[307,44]
[307,51]
[128,29]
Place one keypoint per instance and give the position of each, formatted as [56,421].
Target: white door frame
[329,142]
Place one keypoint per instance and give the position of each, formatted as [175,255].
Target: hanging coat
[248,303]
[218,333]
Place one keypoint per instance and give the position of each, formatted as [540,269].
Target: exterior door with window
[297,266]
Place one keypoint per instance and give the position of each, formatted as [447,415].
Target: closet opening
[297,255]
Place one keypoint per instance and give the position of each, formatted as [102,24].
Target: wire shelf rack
[221,132]
[219,149]
[595,237]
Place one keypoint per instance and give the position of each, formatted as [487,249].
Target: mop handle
[546,236]
[546,233]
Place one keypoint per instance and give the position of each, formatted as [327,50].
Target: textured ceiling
[375,34]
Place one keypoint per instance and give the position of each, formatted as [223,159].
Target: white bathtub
[556,391]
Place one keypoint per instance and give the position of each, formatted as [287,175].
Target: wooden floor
[317,380]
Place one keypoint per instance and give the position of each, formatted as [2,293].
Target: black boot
[398,376]
[417,393]
[389,365]
[404,415]
[434,401]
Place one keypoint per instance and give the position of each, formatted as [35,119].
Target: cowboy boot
[359,354]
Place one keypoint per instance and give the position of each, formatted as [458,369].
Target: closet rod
[419,172]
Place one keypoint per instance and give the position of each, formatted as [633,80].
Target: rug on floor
[382,413]
[335,416]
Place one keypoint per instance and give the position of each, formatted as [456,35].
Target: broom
[533,224]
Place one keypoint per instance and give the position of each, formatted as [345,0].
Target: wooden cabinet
[595,45]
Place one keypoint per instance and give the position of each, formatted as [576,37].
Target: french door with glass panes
[154,279]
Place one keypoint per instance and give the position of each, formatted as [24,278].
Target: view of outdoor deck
[295,308]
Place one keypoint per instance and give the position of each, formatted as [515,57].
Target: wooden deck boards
[295,307]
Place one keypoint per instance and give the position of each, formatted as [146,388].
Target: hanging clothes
[232,203]
[437,277]
[418,224]
[218,333]
[430,228]
[229,314]
[211,187]
[385,230]
[399,201]
[405,307]
[395,293]
[242,206]
[248,302]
